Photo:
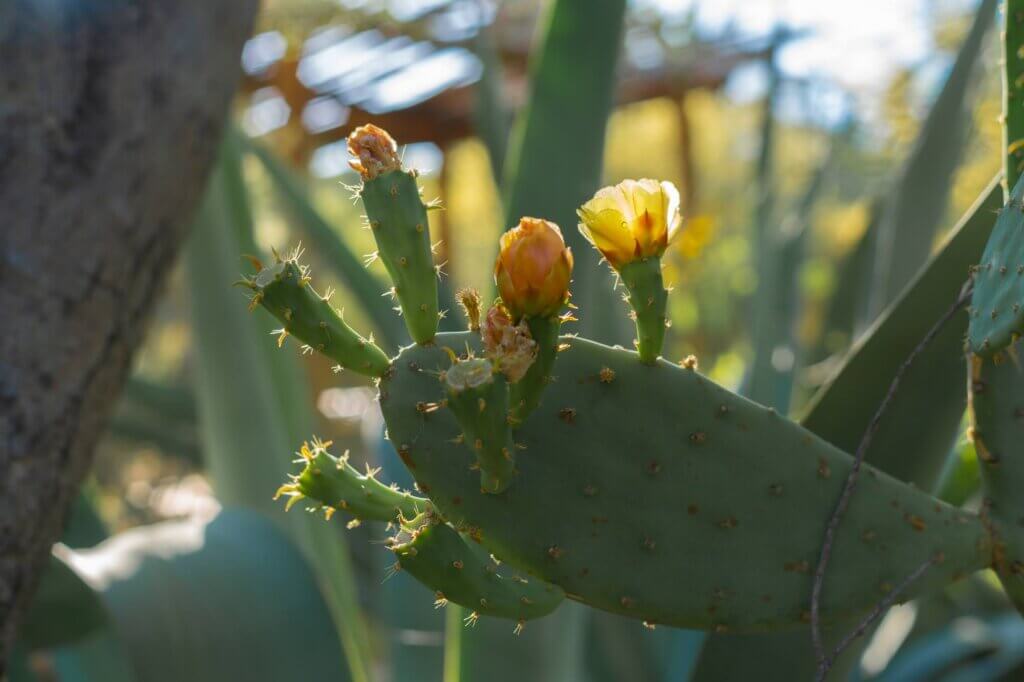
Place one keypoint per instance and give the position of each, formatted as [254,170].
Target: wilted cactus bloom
[533,269]
[634,220]
[375,150]
[509,345]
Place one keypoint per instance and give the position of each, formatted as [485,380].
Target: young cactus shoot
[532,272]
[632,224]
[397,217]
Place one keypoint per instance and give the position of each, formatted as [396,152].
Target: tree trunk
[110,115]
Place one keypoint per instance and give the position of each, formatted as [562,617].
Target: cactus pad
[334,484]
[398,219]
[649,491]
[997,305]
[459,570]
[283,289]
[997,429]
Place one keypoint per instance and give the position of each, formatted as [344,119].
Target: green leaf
[64,609]
[231,599]
[915,208]
[254,400]
[932,392]
[555,156]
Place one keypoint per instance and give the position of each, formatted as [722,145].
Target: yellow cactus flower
[533,269]
[633,220]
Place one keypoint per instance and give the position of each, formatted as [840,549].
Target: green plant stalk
[253,399]
[364,288]
[453,630]
[1013,93]
[561,133]
[283,289]
[463,572]
[648,298]
[916,205]
[997,302]
[482,412]
[572,81]
[398,220]
[525,395]
[996,390]
[333,483]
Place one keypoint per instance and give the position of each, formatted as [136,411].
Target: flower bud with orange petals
[533,269]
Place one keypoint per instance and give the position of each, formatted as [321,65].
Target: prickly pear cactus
[552,466]
[997,304]
[996,394]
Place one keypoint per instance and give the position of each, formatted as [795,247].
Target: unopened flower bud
[533,269]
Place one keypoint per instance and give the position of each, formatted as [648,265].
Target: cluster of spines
[333,484]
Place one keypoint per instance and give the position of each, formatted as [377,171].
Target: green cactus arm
[363,286]
[334,484]
[398,220]
[997,303]
[693,508]
[460,571]
[996,391]
[478,397]
[1013,92]
[525,395]
[647,297]
[283,289]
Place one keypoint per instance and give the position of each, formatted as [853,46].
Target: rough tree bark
[110,114]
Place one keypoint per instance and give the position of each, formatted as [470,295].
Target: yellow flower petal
[608,231]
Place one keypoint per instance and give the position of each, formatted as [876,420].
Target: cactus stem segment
[283,289]
[461,572]
[398,217]
[478,396]
[332,482]
[647,297]
[526,393]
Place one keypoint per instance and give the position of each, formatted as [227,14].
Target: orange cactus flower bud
[533,269]
[634,220]
[375,151]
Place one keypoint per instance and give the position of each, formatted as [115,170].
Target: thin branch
[881,607]
[851,479]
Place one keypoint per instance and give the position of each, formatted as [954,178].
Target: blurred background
[789,128]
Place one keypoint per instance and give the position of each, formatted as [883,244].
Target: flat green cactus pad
[650,491]
[997,428]
[997,305]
